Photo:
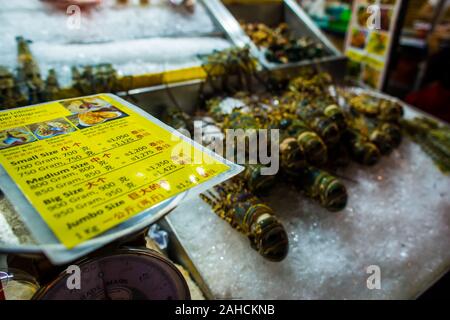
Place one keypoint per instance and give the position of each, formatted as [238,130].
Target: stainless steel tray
[272,13]
[75,48]
[187,96]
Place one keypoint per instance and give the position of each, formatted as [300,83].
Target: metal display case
[272,13]
[187,94]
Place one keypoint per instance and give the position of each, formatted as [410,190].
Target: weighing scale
[125,274]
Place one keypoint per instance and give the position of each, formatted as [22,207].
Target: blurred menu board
[370,39]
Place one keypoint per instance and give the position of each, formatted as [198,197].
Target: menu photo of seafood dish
[76,106]
[14,137]
[48,129]
[95,117]
[363,16]
[358,39]
[378,43]
[89,112]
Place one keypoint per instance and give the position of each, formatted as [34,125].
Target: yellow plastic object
[90,163]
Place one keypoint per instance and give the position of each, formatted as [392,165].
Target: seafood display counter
[272,28]
[135,39]
[120,47]
[357,207]
[396,219]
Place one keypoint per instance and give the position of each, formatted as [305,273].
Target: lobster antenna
[212,195]
[221,189]
[340,176]
[208,200]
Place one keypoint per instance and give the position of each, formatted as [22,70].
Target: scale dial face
[127,274]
